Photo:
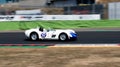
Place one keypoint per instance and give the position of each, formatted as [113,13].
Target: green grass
[23,25]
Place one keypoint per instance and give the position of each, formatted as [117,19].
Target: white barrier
[48,17]
[72,17]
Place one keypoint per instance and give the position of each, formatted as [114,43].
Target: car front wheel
[63,37]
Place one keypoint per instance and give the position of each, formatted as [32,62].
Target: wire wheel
[63,37]
[34,36]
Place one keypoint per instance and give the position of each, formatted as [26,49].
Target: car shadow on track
[28,40]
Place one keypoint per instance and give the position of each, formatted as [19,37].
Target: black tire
[34,36]
[63,37]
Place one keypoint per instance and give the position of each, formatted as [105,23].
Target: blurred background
[108,9]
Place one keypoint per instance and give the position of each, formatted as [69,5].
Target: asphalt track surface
[84,37]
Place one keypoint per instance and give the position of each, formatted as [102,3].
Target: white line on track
[86,45]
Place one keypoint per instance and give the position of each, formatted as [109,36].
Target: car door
[49,34]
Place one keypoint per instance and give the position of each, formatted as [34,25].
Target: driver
[41,29]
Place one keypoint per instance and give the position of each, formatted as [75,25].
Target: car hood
[66,30]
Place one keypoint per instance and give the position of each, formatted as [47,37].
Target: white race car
[54,34]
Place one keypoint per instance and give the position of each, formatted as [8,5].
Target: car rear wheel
[63,37]
[34,36]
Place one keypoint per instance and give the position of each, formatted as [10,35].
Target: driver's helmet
[41,29]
